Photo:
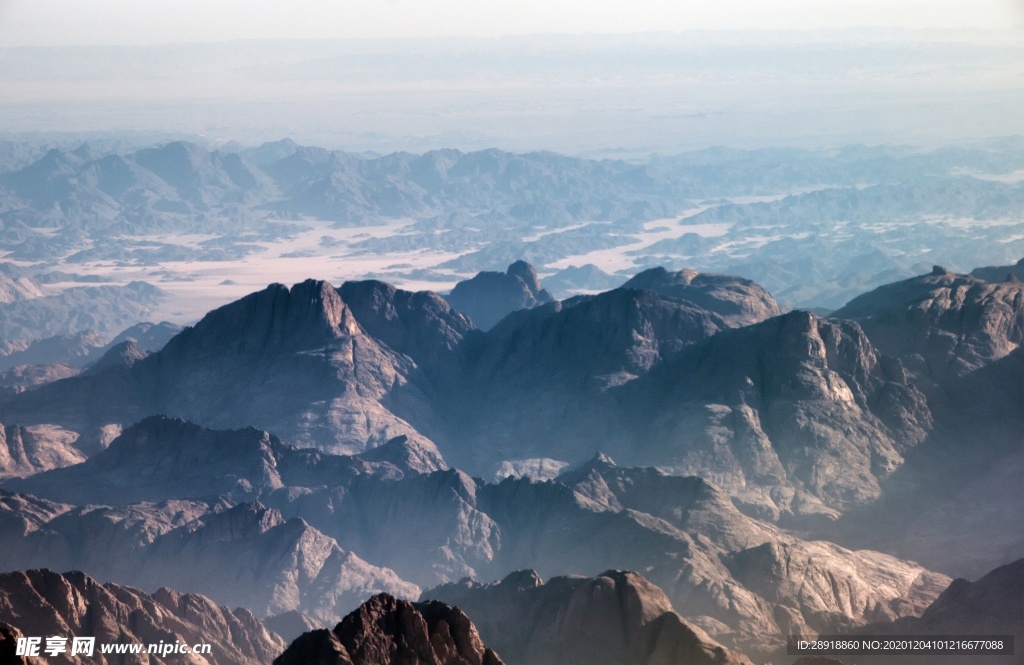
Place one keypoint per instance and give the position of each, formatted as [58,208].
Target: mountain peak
[309,315]
[525,272]
[385,629]
[490,296]
[739,301]
[124,355]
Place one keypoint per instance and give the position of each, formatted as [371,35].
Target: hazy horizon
[632,94]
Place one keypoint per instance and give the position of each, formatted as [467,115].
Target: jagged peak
[522,579]
[124,354]
[525,272]
[418,456]
[247,519]
[597,464]
[308,315]
[600,459]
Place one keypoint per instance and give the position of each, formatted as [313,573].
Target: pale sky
[68,22]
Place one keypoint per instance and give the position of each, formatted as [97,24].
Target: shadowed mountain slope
[490,296]
[616,618]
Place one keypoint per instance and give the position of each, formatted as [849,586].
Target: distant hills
[814,227]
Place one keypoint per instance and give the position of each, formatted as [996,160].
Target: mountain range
[301,449]
[260,501]
[816,227]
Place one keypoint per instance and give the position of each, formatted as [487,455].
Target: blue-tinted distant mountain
[106,310]
[489,296]
[576,279]
[1000,273]
[75,349]
[241,556]
[149,336]
[29,364]
[954,197]
[161,458]
[490,208]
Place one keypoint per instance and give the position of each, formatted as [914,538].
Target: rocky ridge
[437,526]
[74,604]
[387,631]
[989,606]
[942,325]
[740,301]
[490,296]
[616,618]
[246,555]
[27,451]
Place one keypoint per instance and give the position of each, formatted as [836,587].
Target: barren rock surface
[387,631]
[42,603]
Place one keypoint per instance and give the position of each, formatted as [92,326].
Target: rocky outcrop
[387,631]
[616,618]
[558,363]
[977,460]
[942,325]
[119,356]
[26,451]
[799,403]
[419,325]
[42,603]
[491,296]
[740,302]
[14,288]
[9,636]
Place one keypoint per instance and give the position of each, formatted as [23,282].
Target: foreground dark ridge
[41,603]
[387,631]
